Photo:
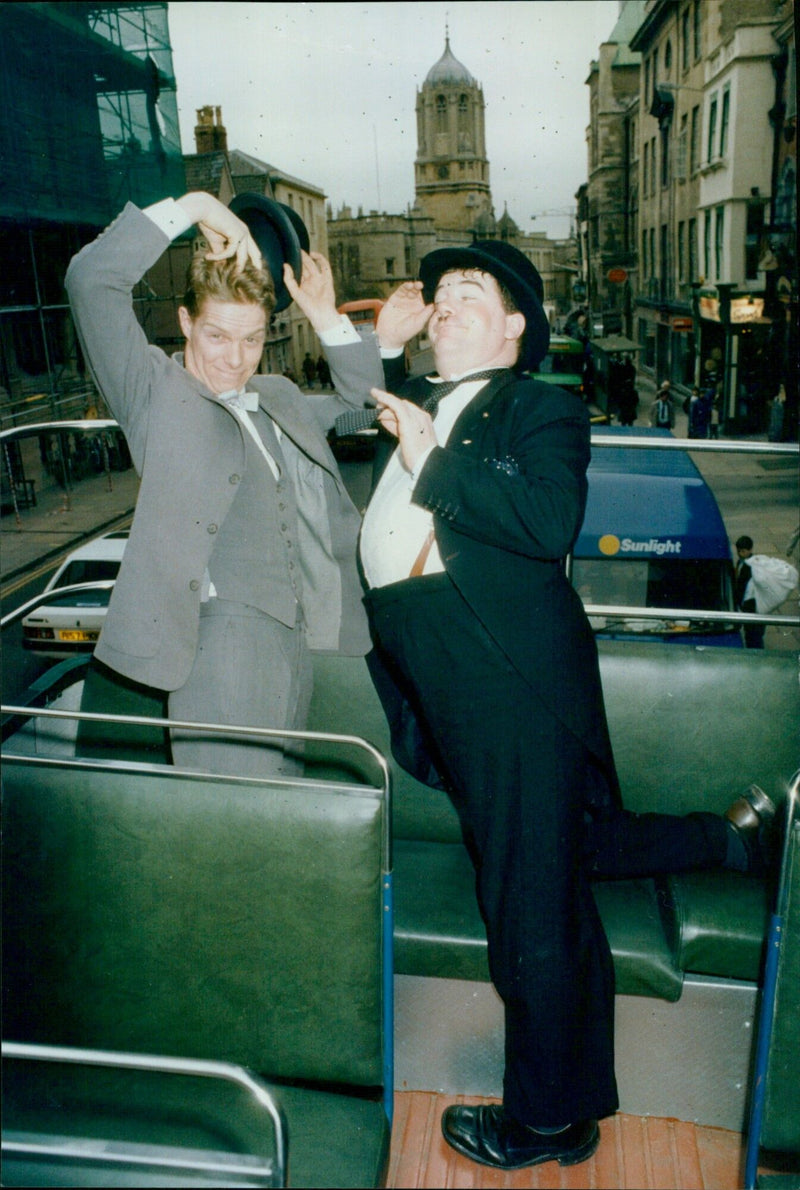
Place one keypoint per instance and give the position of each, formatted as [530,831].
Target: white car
[71,623]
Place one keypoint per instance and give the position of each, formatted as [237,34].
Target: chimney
[220,135]
[204,130]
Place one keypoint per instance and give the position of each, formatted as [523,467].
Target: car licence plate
[75,634]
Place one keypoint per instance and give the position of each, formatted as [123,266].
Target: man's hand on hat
[315,294]
[224,232]
[404,315]
[410,424]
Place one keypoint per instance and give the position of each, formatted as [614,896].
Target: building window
[665,156]
[646,170]
[441,113]
[698,31]
[712,129]
[719,241]
[683,149]
[668,57]
[694,143]
[664,250]
[685,39]
[692,274]
[647,82]
[786,197]
[681,252]
[791,85]
[707,246]
[652,252]
[389,266]
[753,236]
[724,120]
[653,166]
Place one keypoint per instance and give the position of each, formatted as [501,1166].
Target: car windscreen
[89,570]
[565,363]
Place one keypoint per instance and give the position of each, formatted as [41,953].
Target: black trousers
[527,792]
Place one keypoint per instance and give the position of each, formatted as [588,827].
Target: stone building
[706,183]
[373,253]
[225,173]
[608,204]
[451,172]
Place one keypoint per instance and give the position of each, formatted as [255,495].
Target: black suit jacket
[508,495]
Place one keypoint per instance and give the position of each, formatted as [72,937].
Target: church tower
[451,172]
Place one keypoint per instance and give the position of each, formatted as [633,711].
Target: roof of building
[204,170]
[243,166]
[448,70]
[506,225]
[631,16]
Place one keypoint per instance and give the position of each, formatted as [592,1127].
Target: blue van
[653,536]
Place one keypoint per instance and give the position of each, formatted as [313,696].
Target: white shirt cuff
[391,352]
[340,335]
[169,216]
[420,463]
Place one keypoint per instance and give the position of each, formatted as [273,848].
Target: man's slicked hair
[224,281]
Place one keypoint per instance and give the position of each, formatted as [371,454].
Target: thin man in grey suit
[242,553]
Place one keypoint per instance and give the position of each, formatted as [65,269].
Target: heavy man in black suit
[487,669]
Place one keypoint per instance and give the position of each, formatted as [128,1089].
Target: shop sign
[709,306]
[617,276]
[682,324]
[746,309]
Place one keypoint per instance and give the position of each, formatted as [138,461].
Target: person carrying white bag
[762,584]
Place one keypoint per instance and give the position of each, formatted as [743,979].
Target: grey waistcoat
[255,547]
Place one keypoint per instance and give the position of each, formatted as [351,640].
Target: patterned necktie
[360,419]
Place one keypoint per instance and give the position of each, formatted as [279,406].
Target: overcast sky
[327,92]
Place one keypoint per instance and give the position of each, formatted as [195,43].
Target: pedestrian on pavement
[466,532]
[323,373]
[309,369]
[753,633]
[242,552]
[628,398]
[699,414]
[662,411]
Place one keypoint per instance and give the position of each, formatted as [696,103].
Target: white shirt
[395,529]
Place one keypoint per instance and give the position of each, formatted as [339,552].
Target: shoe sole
[573,1158]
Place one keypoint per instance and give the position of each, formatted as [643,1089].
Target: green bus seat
[88,1117]
[150,910]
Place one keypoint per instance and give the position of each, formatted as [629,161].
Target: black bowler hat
[508,265]
[280,234]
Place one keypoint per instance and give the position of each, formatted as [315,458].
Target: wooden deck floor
[635,1153]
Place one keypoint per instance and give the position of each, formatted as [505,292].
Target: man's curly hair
[224,281]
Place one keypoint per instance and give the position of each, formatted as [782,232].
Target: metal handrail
[190,1067]
[624,612]
[709,445]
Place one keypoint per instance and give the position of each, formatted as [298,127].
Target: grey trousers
[251,671]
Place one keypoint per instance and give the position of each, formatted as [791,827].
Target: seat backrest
[150,910]
[690,727]
[780,1129]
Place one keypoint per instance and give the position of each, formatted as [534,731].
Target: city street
[757,495]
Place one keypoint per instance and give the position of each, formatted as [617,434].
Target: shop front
[736,355]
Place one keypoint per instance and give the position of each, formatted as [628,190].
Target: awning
[612,343]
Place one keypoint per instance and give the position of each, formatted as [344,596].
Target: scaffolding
[88,121]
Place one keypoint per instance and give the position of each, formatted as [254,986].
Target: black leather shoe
[752,816]
[487,1135]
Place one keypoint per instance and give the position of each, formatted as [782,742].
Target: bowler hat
[280,235]
[509,266]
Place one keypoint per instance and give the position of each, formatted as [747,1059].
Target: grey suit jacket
[189,451]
